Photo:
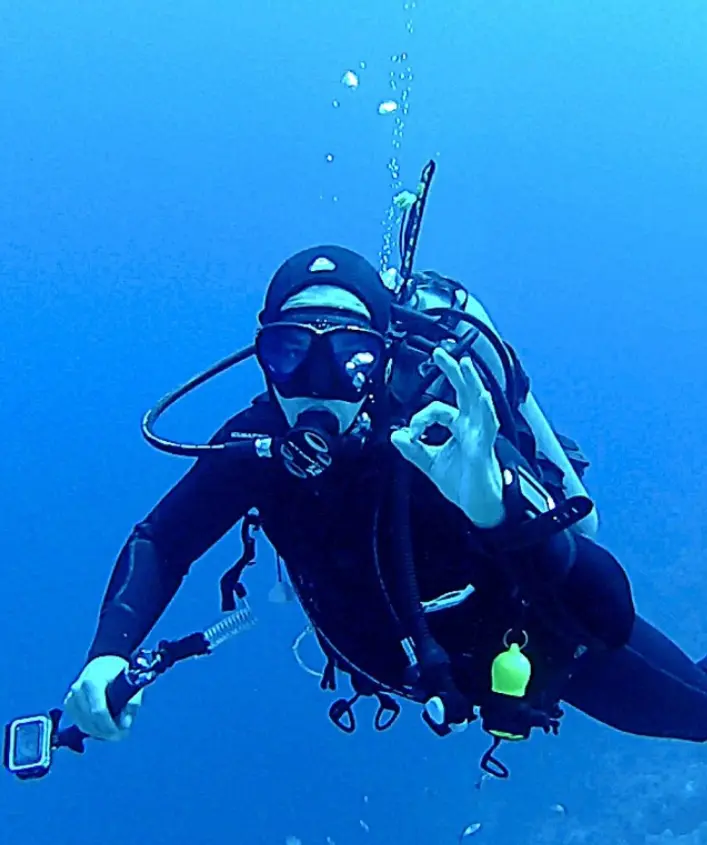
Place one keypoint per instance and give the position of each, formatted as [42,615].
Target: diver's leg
[649,687]
[597,593]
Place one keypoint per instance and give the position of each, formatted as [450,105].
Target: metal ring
[300,660]
[506,643]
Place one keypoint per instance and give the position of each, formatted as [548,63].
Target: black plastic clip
[231,587]
[492,765]
[342,715]
[387,713]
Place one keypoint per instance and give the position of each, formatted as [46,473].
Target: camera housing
[28,746]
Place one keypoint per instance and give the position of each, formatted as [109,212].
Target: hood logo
[322,264]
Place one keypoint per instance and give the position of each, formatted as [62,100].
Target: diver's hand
[465,468]
[86,705]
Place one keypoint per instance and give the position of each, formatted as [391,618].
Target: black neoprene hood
[329,265]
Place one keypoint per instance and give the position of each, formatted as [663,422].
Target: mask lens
[328,362]
[282,349]
[357,355]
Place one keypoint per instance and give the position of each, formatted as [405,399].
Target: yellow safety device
[510,672]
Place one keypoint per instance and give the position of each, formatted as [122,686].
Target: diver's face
[345,412]
[322,356]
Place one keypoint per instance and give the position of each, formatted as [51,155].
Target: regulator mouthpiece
[306,450]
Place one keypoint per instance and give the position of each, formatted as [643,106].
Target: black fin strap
[231,587]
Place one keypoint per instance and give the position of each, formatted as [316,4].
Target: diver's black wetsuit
[637,682]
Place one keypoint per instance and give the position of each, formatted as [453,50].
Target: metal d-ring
[506,642]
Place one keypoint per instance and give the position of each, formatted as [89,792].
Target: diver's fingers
[481,408]
[451,369]
[435,413]
[411,449]
[81,707]
[86,700]
[97,705]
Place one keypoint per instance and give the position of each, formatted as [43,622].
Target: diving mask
[335,360]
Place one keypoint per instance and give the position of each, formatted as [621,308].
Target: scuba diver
[435,529]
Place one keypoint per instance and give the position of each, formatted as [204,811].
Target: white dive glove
[86,706]
[465,469]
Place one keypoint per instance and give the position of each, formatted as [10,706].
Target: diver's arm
[209,500]
[545,437]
